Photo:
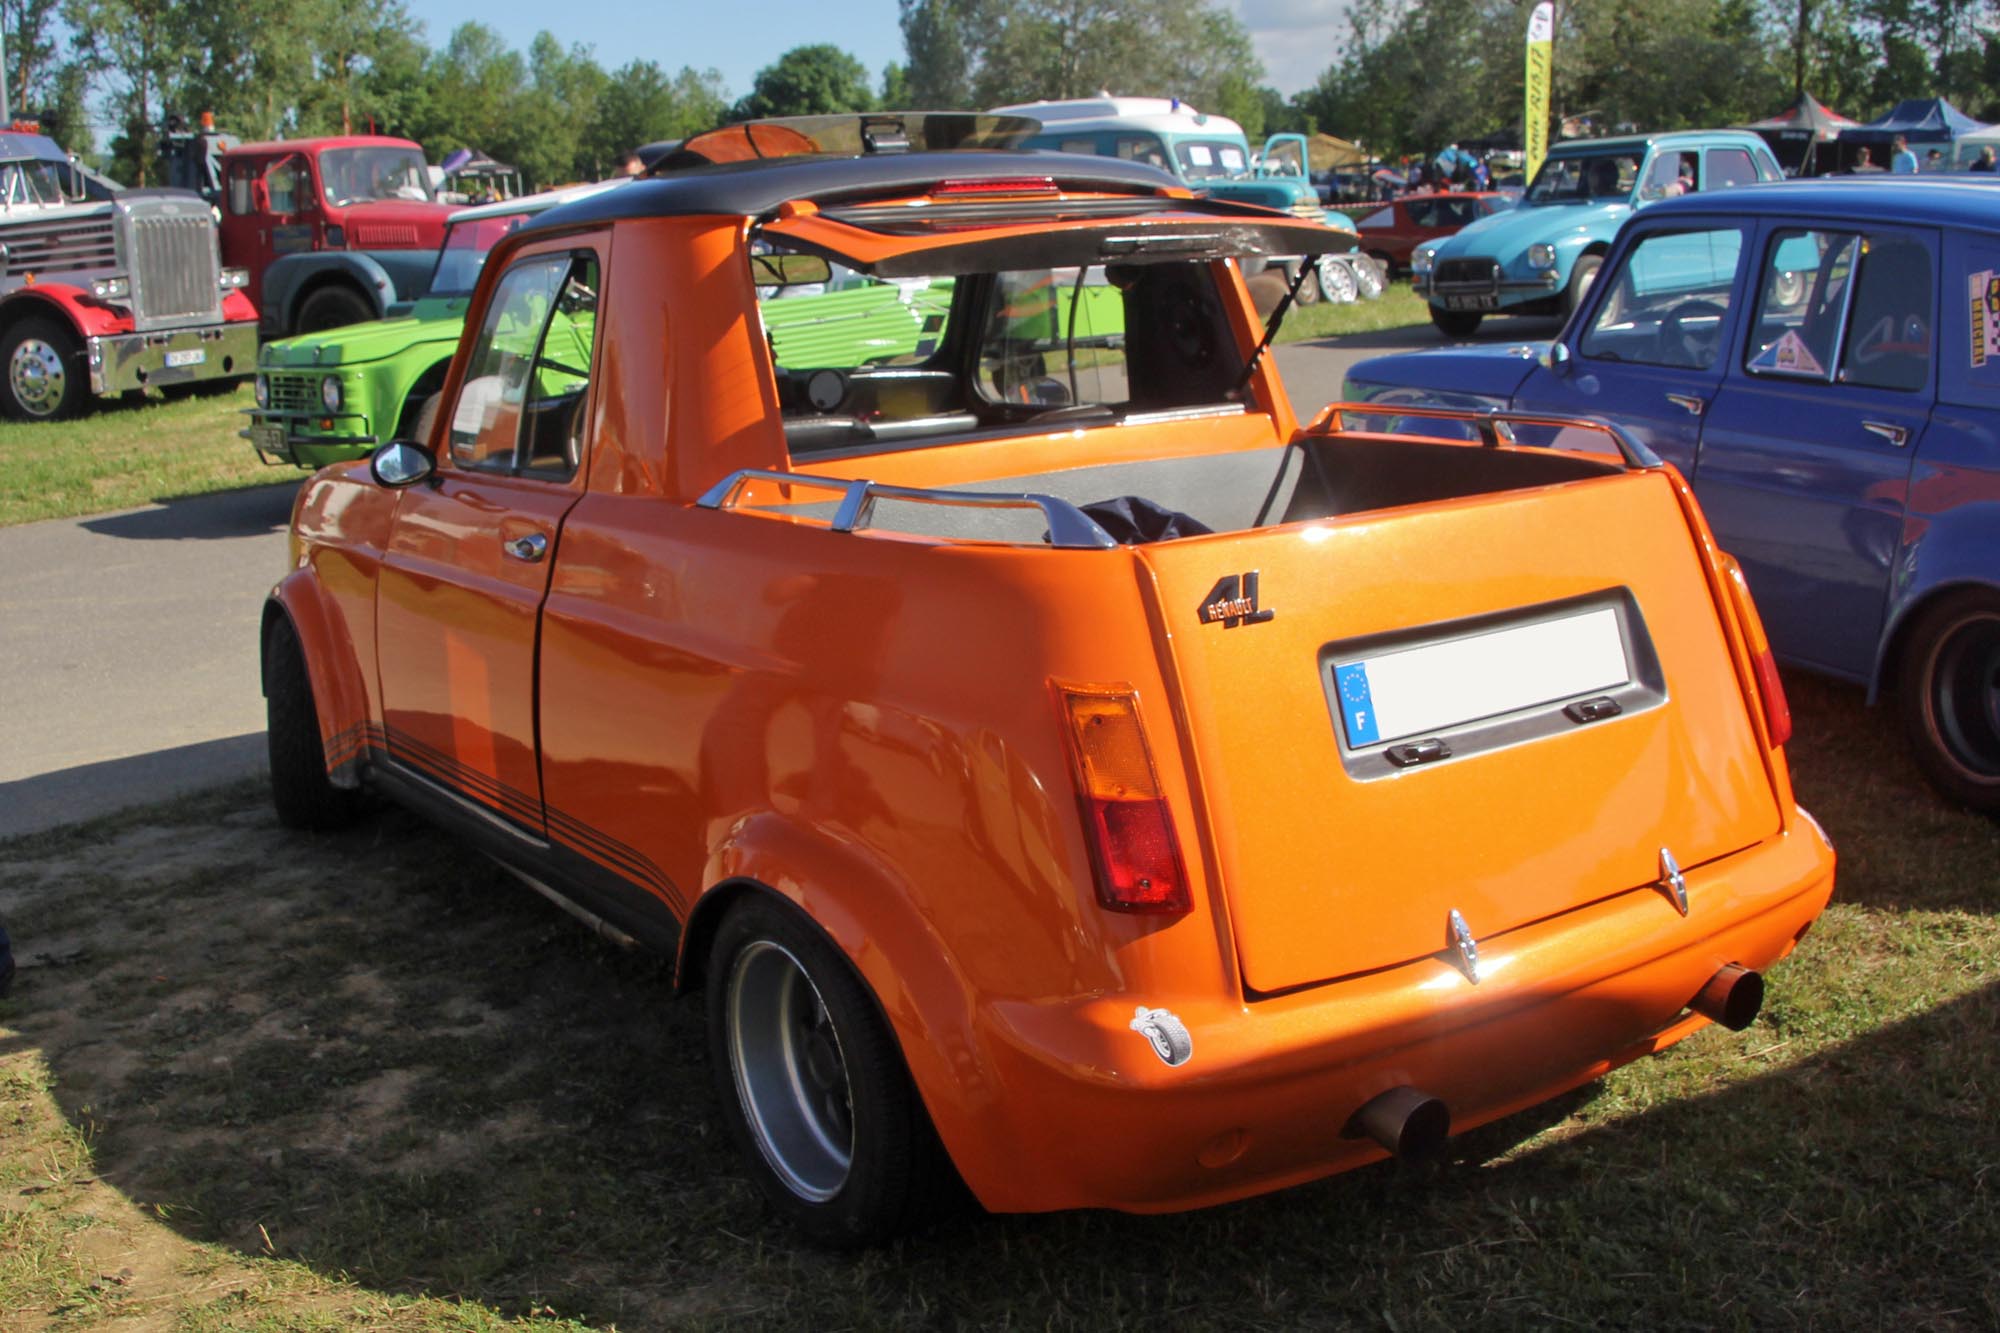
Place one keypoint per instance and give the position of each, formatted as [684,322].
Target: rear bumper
[158,360]
[1094,1119]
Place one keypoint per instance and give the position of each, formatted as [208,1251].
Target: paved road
[128,662]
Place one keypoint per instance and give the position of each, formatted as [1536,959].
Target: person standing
[1984,162]
[1901,160]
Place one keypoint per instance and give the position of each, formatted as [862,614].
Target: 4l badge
[1233,602]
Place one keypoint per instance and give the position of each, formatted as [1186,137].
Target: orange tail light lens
[1777,710]
[1131,834]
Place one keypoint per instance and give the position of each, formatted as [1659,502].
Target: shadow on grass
[1901,845]
[238,513]
[375,1054]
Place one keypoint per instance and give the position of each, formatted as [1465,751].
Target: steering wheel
[569,370]
[1698,346]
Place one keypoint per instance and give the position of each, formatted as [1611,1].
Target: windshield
[1205,159]
[350,175]
[1585,179]
[466,246]
[31,183]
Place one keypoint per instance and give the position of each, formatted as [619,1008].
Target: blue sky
[1295,38]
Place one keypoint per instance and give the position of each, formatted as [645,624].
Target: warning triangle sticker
[1789,356]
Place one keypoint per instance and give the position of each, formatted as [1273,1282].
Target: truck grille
[1467,274]
[294,393]
[70,245]
[174,270]
[384,236]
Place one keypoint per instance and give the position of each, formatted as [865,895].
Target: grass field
[124,454]
[252,1080]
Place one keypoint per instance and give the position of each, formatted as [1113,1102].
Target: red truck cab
[347,192]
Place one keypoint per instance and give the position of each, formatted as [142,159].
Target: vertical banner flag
[1541,62]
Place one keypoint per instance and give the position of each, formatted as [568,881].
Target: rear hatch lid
[1561,645]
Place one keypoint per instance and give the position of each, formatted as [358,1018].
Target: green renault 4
[335,395]
[331,396]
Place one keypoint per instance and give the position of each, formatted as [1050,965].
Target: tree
[813,80]
[138,46]
[474,80]
[938,36]
[554,111]
[1005,51]
[641,105]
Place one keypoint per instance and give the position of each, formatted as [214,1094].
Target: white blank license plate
[193,356]
[1426,689]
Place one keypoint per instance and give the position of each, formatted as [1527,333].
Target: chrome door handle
[1688,402]
[1894,434]
[530,548]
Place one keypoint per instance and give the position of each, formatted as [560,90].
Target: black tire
[1948,690]
[304,797]
[1580,279]
[333,308]
[420,409]
[1310,291]
[816,1074]
[1266,290]
[42,373]
[1456,323]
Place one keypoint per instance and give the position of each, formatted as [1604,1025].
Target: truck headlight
[233,278]
[111,289]
[329,392]
[1423,258]
[261,391]
[1541,255]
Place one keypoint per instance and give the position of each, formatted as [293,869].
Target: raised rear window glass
[1803,291]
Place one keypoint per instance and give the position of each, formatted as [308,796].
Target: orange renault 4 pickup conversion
[1053,761]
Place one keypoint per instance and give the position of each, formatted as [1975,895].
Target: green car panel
[386,369]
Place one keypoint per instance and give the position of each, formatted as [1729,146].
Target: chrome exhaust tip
[1731,997]
[1411,1124]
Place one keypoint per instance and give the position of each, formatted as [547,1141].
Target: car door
[1646,350]
[460,593]
[1806,454]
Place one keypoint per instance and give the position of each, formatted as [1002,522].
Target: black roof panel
[753,189]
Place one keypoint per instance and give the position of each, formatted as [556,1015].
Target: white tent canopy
[1968,146]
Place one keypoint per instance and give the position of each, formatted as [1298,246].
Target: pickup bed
[1053,762]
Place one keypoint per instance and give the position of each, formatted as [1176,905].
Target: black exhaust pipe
[1412,1125]
[1732,998]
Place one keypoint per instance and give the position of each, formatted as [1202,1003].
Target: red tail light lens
[1777,710]
[1132,843]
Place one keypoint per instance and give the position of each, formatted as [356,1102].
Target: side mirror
[402,463]
[1556,359]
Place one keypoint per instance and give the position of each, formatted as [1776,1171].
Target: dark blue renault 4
[1822,360]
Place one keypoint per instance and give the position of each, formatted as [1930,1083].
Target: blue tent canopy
[1922,120]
